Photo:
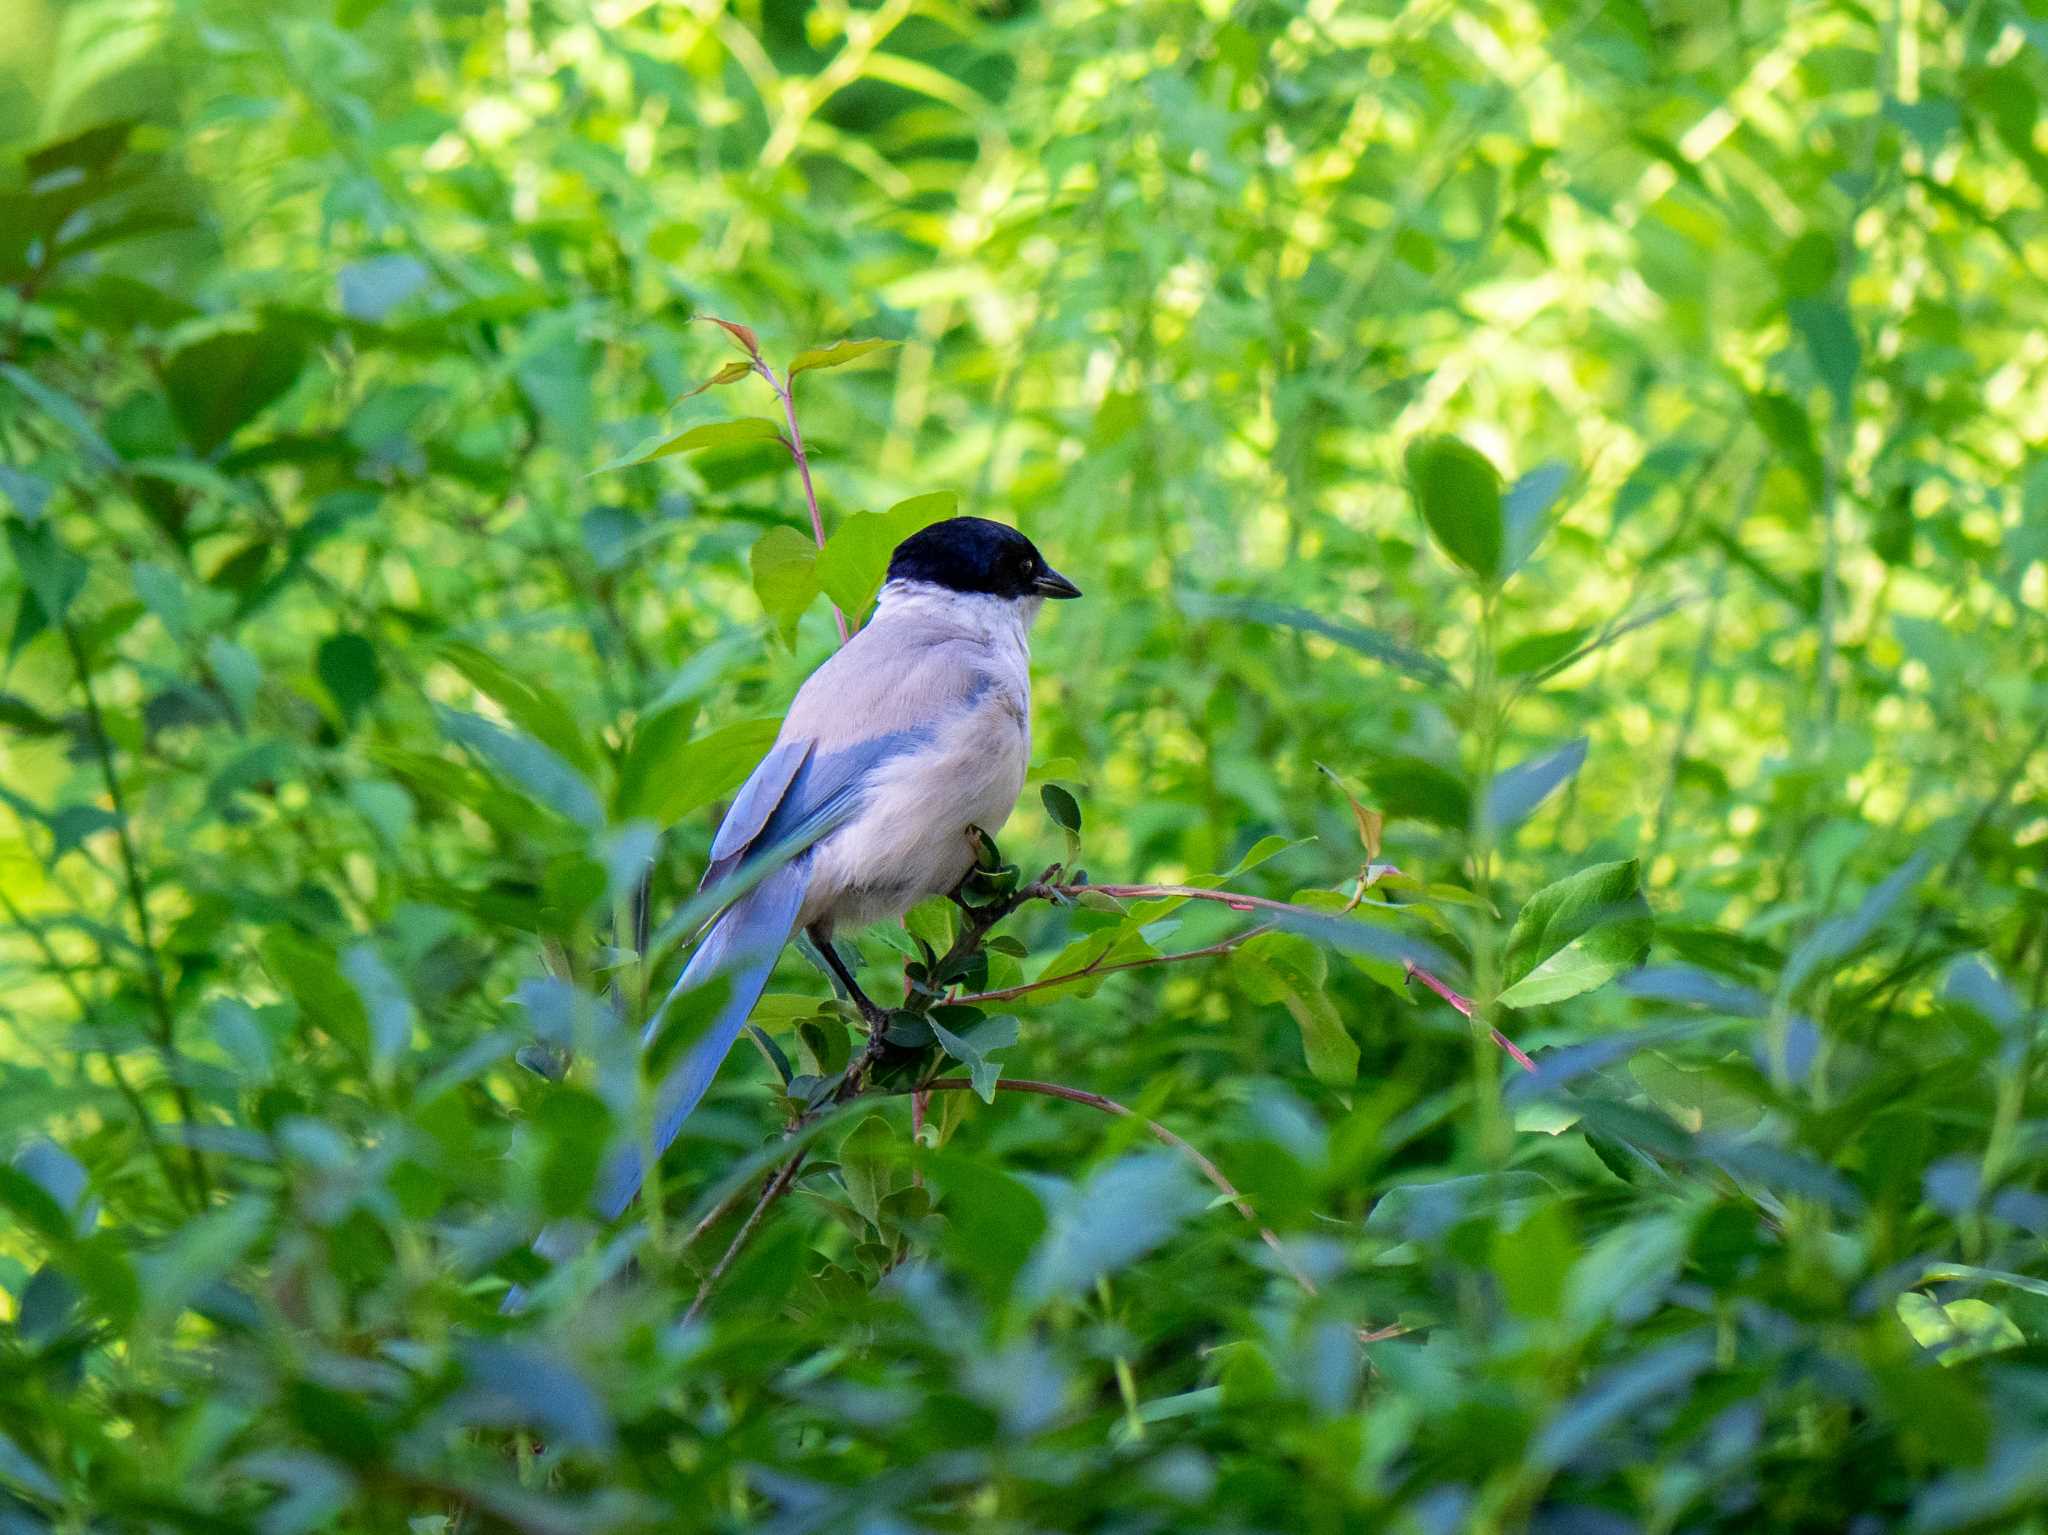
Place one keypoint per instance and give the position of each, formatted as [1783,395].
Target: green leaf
[931,921]
[731,373]
[1838,937]
[309,974]
[528,703]
[1111,1221]
[1416,789]
[1525,510]
[1283,968]
[63,410]
[1457,490]
[855,559]
[973,1050]
[993,1221]
[868,1161]
[198,1254]
[385,1003]
[524,762]
[1832,343]
[349,670]
[1576,934]
[1533,652]
[1517,791]
[785,567]
[53,574]
[836,355]
[373,287]
[667,774]
[709,434]
[1366,642]
[221,383]
[1421,1211]
[1062,807]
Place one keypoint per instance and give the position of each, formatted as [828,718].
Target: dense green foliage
[1605,438]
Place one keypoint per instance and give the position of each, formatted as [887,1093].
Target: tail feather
[743,946]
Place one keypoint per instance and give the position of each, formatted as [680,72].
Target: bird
[910,737]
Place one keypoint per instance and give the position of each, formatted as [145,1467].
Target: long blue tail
[743,946]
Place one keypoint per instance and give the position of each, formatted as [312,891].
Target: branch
[777,1186]
[1236,902]
[1097,967]
[138,899]
[1464,1005]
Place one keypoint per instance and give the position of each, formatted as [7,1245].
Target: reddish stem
[1237,902]
[795,443]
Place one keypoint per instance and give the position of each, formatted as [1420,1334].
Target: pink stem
[1237,902]
[787,394]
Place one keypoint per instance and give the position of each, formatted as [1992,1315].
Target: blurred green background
[348,695]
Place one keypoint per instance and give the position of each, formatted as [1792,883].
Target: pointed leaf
[742,335]
[1832,344]
[1367,642]
[1835,939]
[1513,794]
[855,559]
[219,384]
[731,373]
[1370,822]
[668,773]
[523,761]
[838,354]
[1064,809]
[1525,510]
[1280,967]
[785,567]
[1576,934]
[530,704]
[709,434]
[868,1159]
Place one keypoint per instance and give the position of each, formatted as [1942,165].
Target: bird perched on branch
[916,730]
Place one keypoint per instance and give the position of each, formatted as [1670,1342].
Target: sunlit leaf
[709,434]
[668,773]
[1576,934]
[731,373]
[835,355]
[856,557]
[784,563]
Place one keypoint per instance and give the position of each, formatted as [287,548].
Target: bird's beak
[1053,584]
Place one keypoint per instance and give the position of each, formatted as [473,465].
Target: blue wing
[793,799]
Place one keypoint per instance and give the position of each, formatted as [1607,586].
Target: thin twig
[1464,1005]
[1208,1168]
[776,1188]
[1096,967]
[795,443]
[138,899]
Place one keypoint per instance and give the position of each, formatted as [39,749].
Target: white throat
[1001,619]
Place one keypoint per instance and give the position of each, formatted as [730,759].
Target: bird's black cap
[972,554]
